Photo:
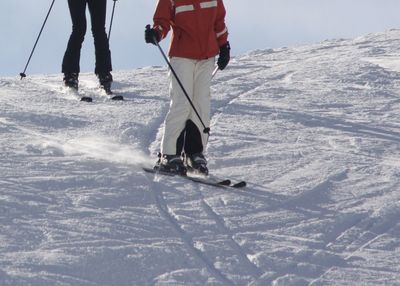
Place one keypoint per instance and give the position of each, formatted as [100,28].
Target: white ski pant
[195,76]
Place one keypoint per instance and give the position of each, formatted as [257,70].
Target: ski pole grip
[148,27]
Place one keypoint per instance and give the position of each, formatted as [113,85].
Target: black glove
[151,36]
[224,56]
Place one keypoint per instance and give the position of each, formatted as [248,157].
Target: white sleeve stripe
[209,4]
[222,33]
[184,8]
[203,5]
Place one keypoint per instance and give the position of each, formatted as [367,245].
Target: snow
[314,130]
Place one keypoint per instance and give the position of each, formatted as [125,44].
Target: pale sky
[253,24]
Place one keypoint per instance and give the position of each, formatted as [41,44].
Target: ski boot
[170,164]
[196,163]
[71,80]
[105,80]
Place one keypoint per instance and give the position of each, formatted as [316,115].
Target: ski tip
[241,184]
[86,99]
[224,183]
[117,97]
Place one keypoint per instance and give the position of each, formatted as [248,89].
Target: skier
[70,64]
[199,35]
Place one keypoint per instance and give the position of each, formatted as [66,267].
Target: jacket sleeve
[163,17]
[220,28]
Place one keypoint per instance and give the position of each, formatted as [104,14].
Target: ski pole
[206,129]
[22,74]
[215,72]
[111,21]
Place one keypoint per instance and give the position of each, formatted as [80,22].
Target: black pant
[189,141]
[97,9]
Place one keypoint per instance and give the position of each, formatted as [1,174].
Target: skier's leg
[192,141]
[202,102]
[98,9]
[180,108]
[72,54]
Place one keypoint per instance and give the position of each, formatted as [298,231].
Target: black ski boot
[105,80]
[71,80]
[171,164]
[196,163]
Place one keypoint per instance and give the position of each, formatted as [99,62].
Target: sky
[253,24]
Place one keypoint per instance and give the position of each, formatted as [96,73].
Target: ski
[117,97]
[82,96]
[111,94]
[194,173]
[73,90]
[86,98]
[206,180]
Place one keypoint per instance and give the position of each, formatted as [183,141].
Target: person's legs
[72,54]
[194,144]
[196,140]
[180,108]
[98,9]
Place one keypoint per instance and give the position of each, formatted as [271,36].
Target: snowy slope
[315,130]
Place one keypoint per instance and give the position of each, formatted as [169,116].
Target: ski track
[314,128]
[167,213]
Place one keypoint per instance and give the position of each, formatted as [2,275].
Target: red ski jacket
[198,27]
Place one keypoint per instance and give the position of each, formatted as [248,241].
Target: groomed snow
[315,130]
